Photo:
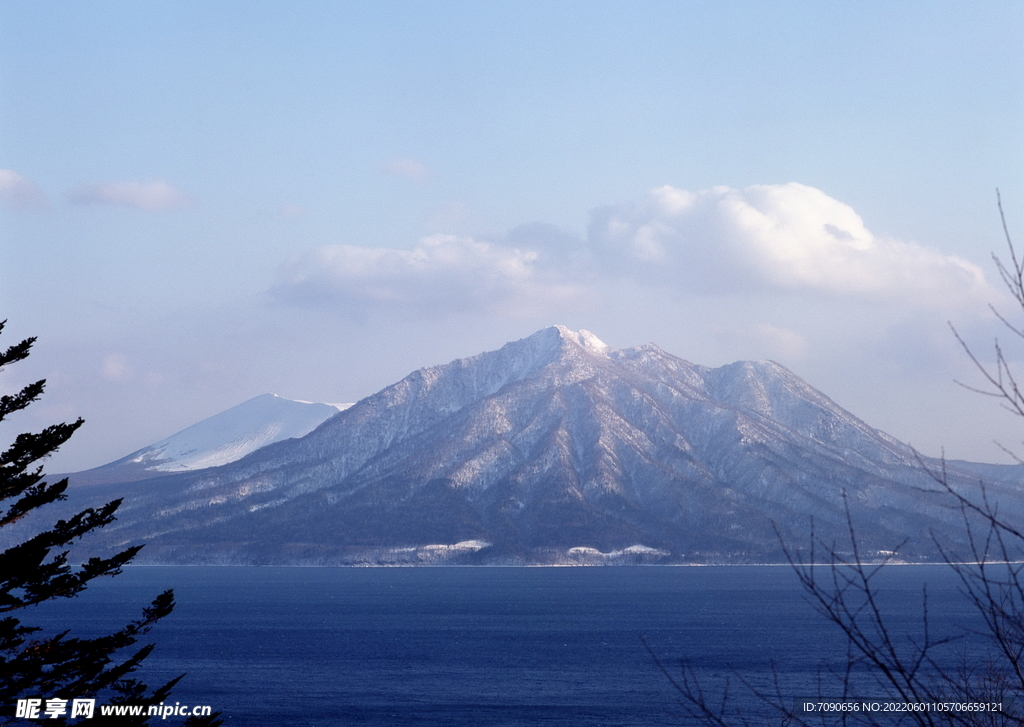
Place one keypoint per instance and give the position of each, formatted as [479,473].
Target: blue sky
[202,202]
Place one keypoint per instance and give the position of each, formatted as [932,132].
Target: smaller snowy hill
[218,440]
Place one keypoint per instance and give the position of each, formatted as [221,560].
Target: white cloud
[440,271]
[766,239]
[775,237]
[151,196]
[410,168]
[17,192]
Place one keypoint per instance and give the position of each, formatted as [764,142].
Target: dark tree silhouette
[60,666]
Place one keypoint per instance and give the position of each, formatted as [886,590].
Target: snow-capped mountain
[218,440]
[556,448]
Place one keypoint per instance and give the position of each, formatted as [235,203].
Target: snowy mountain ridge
[234,433]
[220,439]
[556,449]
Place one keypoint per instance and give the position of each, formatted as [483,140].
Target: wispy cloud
[409,168]
[152,196]
[778,239]
[439,272]
[18,193]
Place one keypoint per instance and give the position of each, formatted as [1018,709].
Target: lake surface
[296,647]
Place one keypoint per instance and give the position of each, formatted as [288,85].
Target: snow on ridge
[583,338]
[586,555]
[234,433]
[466,380]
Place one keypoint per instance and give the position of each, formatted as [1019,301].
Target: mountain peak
[583,338]
[557,337]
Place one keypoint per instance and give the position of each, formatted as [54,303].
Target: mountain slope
[217,440]
[556,448]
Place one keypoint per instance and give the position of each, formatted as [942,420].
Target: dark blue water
[292,647]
